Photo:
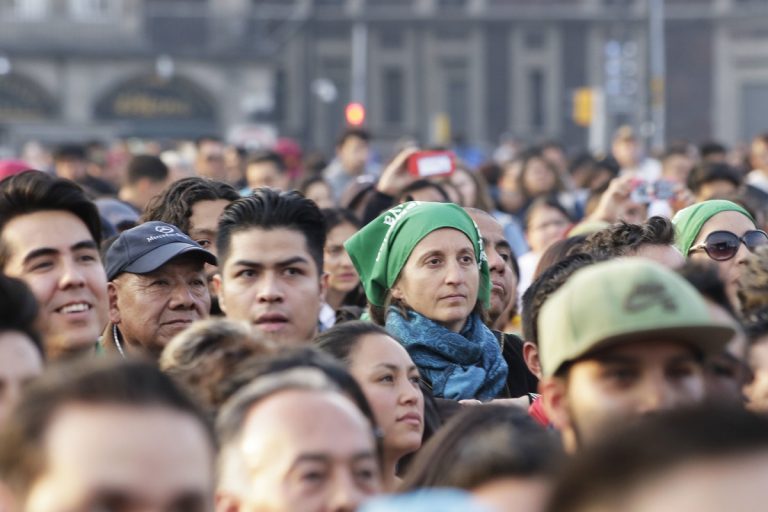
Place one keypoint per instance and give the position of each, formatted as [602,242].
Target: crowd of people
[196,327]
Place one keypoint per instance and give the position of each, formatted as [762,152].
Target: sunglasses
[723,245]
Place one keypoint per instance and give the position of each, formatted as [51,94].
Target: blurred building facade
[469,70]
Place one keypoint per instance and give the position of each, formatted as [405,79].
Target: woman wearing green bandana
[427,281]
[722,232]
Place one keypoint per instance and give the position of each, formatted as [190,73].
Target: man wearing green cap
[619,340]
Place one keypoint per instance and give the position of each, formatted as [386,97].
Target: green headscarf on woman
[689,221]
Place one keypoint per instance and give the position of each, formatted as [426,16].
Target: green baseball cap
[620,301]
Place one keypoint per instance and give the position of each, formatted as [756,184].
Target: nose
[269,289]
[742,254]
[454,273]
[410,392]
[346,496]
[495,262]
[182,297]
[72,275]
[656,395]
[345,260]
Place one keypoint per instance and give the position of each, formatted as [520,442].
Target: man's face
[499,253]
[625,382]
[150,309]
[203,229]
[20,362]
[210,160]
[271,281]
[54,253]
[677,168]
[626,152]
[266,174]
[114,457]
[306,450]
[353,154]
[71,168]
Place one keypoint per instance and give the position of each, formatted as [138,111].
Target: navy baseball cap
[149,246]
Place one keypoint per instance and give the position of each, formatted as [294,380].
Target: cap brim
[165,253]
[708,339]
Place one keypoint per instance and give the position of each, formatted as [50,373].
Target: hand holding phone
[431,164]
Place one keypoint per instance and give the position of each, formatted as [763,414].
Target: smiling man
[270,248]
[49,238]
[157,288]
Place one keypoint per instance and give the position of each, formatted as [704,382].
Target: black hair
[174,206]
[146,166]
[18,310]
[674,150]
[710,148]
[267,156]
[545,285]
[70,152]
[359,133]
[707,172]
[482,444]
[622,239]
[270,209]
[603,476]
[96,382]
[422,184]
[548,201]
[342,339]
[35,191]
[558,251]
[337,216]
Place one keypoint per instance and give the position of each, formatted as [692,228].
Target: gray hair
[231,467]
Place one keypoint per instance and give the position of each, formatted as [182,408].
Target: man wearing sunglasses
[722,232]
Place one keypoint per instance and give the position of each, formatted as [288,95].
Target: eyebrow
[390,366]
[325,459]
[50,251]
[283,263]
[201,231]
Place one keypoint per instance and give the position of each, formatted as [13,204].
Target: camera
[645,192]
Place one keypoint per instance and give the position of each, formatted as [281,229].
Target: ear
[216,280]
[114,307]
[531,358]
[396,292]
[554,397]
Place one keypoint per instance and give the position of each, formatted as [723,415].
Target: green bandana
[688,221]
[380,250]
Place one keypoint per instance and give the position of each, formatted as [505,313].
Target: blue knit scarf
[460,365]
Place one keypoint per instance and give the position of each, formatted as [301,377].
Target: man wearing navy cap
[157,288]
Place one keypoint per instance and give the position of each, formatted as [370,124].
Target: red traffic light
[355,114]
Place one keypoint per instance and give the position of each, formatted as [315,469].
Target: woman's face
[466,186]
[440,280]
[547,226]
[729,270]
[390,382]
[342,275]
[538,177]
